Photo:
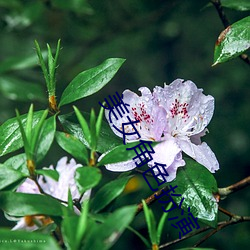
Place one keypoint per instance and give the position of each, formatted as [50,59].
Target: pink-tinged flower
[58,189]
[176,116]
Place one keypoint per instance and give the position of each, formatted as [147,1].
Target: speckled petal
[189,110]
[151,117]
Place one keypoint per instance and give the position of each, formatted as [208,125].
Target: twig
[185,237]
[151,199]
[222,15]
[234,220]
[224,211]
[226,23]
[223,192]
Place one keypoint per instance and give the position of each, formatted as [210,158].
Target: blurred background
[161,41]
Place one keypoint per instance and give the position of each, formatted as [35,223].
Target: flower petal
[151,117]
[189,110]
[169,153]
[59,189]
[29,187]
[201,153]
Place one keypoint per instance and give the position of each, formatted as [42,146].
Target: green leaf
[233,41]
[151,223]
[16,240]
[92,126]
[22,131]
[197,185]
[84,125]
[53,174]
[47,229]
[43,65]
[19,90]
[107,139]
[69,230]
[52,65]
[20,204]
[104,236]
[73,146]
[108,193]
[90,81]
[37,132]
[18,162]
[74,228]
[70,201]
[99,122]
[46,138]
[82,223]
[8,176]
[87,177]
[241,5]
[28,127]
[161,223]
[120,154]
[10,136]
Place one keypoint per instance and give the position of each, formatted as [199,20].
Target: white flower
[58,189]
[176,116]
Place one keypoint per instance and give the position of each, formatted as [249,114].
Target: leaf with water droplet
[197,186]
[233,41]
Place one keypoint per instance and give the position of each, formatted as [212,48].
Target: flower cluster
[176,116]
[58,189]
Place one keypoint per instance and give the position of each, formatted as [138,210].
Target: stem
[226,23]
[151,199]
[224,211]
[224,192]
[185,237]
[234,220]
[222,15]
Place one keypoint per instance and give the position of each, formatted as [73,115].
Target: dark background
[161,41]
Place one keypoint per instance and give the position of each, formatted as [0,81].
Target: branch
[235,220]
[223,192]
[185,237]
[224,211]
[226,23]
[151,199]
